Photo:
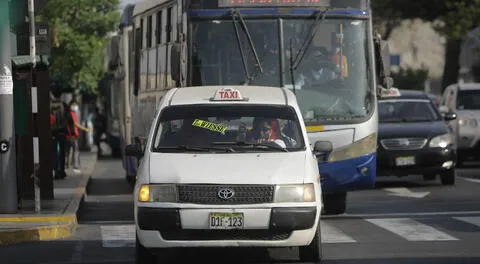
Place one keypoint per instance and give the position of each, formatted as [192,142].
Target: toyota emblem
[225,193]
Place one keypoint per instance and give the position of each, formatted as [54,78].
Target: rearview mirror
[322,149]
[450,116]
[134,150]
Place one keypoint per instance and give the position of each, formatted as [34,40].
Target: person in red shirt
[72,136]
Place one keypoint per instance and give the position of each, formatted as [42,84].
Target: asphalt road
[403,220]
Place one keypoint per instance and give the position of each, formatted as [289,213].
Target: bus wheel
[335,203]
[448,177]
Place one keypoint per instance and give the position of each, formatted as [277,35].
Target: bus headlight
[161,193]
[362,147]
[298,193]
[441,141]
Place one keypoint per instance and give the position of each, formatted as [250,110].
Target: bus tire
[335,203]
[448,177]
[312,252]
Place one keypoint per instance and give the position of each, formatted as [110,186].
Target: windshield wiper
[236,13]
[295,62]
[189,148]
[251,144]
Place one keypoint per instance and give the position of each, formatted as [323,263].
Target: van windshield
[228,128]
[468,100]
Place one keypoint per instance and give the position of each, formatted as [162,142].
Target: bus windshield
[333,80]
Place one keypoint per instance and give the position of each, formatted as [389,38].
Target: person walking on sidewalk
[58,126]
[99,128]
[73,124]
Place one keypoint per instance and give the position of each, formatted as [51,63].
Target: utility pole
[8,175]
[36,151]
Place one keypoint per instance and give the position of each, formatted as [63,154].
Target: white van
[228,167]
[464,100]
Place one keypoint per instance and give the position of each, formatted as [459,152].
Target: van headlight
[468,122]
[441,141]
[160,193]
[297,193]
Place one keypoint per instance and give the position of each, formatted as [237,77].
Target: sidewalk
[58,218]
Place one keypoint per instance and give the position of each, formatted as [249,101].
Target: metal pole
[36,157]
[8,175]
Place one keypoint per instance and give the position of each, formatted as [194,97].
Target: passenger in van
[187,135]
[266,130]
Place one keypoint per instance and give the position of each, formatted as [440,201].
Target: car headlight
[298,193]
[441,141]
[163,193]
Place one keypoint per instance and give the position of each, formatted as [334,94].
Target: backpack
[59,124]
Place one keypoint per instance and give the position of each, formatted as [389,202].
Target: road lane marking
[411,230]
[474,220]
[405,192]
[470,179]
[118,236]
[332,234]
[406,214]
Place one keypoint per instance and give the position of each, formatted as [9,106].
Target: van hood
[231,168]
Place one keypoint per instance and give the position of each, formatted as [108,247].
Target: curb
[65,225]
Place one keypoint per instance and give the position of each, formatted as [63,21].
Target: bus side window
[138,46]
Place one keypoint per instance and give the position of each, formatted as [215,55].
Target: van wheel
[142,254]
[312,252]
[335,203]
[448,177]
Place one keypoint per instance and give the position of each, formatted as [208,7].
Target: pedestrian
[58,126]
[73,152]
[99,128]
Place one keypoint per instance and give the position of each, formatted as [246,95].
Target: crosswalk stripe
[331,234]
[474,220]
[118,236]
[411,230]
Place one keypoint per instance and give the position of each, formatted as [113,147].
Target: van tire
[312,252]
[335,203]
[142,254]
[448,177]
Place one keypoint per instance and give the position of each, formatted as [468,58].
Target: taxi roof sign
[392,92]
[227,94]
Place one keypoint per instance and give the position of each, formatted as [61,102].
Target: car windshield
[228,128]
[407,111]
[468,100]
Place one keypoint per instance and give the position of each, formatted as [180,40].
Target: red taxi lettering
[228,94]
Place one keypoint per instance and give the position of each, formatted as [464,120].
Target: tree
[80,29]
[410,79]
[456,18]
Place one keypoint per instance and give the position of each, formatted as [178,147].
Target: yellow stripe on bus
[315,128]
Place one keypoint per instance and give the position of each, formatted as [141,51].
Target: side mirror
[387,82]
[175,61]
[134,150]
[322,149]
[443,109]
[450,116]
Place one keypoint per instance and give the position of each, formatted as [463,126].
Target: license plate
[226,221]
[405,161]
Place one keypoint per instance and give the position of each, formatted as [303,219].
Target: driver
[266,130]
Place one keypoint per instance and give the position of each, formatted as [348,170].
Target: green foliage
[80,29]
[410,79]
[455,17]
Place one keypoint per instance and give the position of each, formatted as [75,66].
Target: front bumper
[426,161]
[263,227]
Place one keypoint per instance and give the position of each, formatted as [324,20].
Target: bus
[326,51]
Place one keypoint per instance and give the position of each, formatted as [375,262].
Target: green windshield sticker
[210,126]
